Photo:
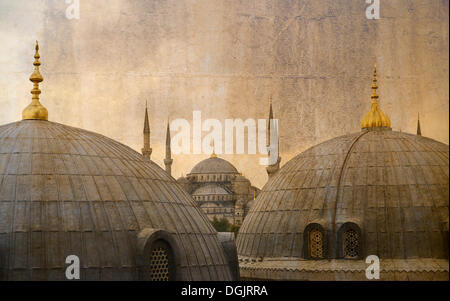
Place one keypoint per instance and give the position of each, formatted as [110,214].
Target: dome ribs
[68,191]
[393,185]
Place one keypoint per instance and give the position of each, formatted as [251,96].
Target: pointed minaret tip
[146,150]
[168,160]
[270,118]
[270,108]
[35,110]
[168,146]
[272,169]
[419,131]
[146,122]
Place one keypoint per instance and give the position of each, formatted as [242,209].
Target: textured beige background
[225,57]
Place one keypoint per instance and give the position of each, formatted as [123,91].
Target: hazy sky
[225,58]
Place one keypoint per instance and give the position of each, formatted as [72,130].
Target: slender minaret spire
[146,150]
[272,169]
[419,132]
[270,118]
[168,160]
[35,110]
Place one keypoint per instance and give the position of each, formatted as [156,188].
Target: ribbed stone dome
[393,186]
[214,165]
[66,191]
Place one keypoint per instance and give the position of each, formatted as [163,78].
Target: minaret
[272,169]
[419,132]
[168,160]
[270,118]
[35,110]
[146,150]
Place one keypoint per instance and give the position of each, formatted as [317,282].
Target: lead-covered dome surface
[66,191]
[393,185]
[210,189]
[214,165]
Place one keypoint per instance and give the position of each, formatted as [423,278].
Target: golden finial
[213,154]
[375,118]
[374,82]
[35,110]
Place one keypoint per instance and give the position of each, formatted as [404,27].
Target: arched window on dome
[315,242]
[157,255]
[349,241]
[161,261]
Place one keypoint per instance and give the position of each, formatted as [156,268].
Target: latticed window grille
[351,243]
[316,243]
[159,264]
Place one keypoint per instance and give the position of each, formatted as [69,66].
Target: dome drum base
[288,269]
[381,128]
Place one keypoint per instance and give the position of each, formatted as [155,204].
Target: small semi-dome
[66,191]
[210,189]
[376,192]
[214,165]
[182,179]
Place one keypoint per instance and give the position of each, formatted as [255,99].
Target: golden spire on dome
[375,118]
[213,154]
[35,110]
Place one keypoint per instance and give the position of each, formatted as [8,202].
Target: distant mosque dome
[217,186]
[214,165]
[376,192]
[66,191]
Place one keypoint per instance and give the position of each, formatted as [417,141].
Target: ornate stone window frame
[306,233]
[147,240]
[340,240]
